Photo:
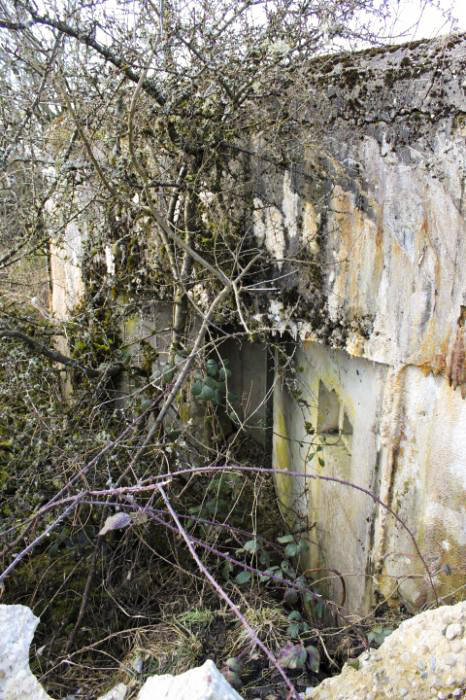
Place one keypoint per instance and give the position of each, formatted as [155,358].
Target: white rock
[203,683]
[116,693]
[17,626]
[441,657]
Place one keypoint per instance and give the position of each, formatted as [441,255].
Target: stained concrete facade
[377,211]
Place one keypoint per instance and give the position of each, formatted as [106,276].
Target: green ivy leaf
[291,549]
[212,368]
[292,656]
[313,658]
[243,577]
[293,630]
[233,664]
[207,394]
[264,557]
[287,568]
[284,539]
[271,571]
[196,388]
[294,616]
[251,546]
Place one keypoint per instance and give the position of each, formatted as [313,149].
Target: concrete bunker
[376,209]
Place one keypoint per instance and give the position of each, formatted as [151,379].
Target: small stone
[456,646]
[454,630]
[403,692]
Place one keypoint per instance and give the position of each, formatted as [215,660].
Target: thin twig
[37,540]
[240,313]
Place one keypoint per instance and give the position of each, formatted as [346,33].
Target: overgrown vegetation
[130,145]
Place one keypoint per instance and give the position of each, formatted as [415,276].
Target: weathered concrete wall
[378,310]
[341,398]
[69,226]
[66,272]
